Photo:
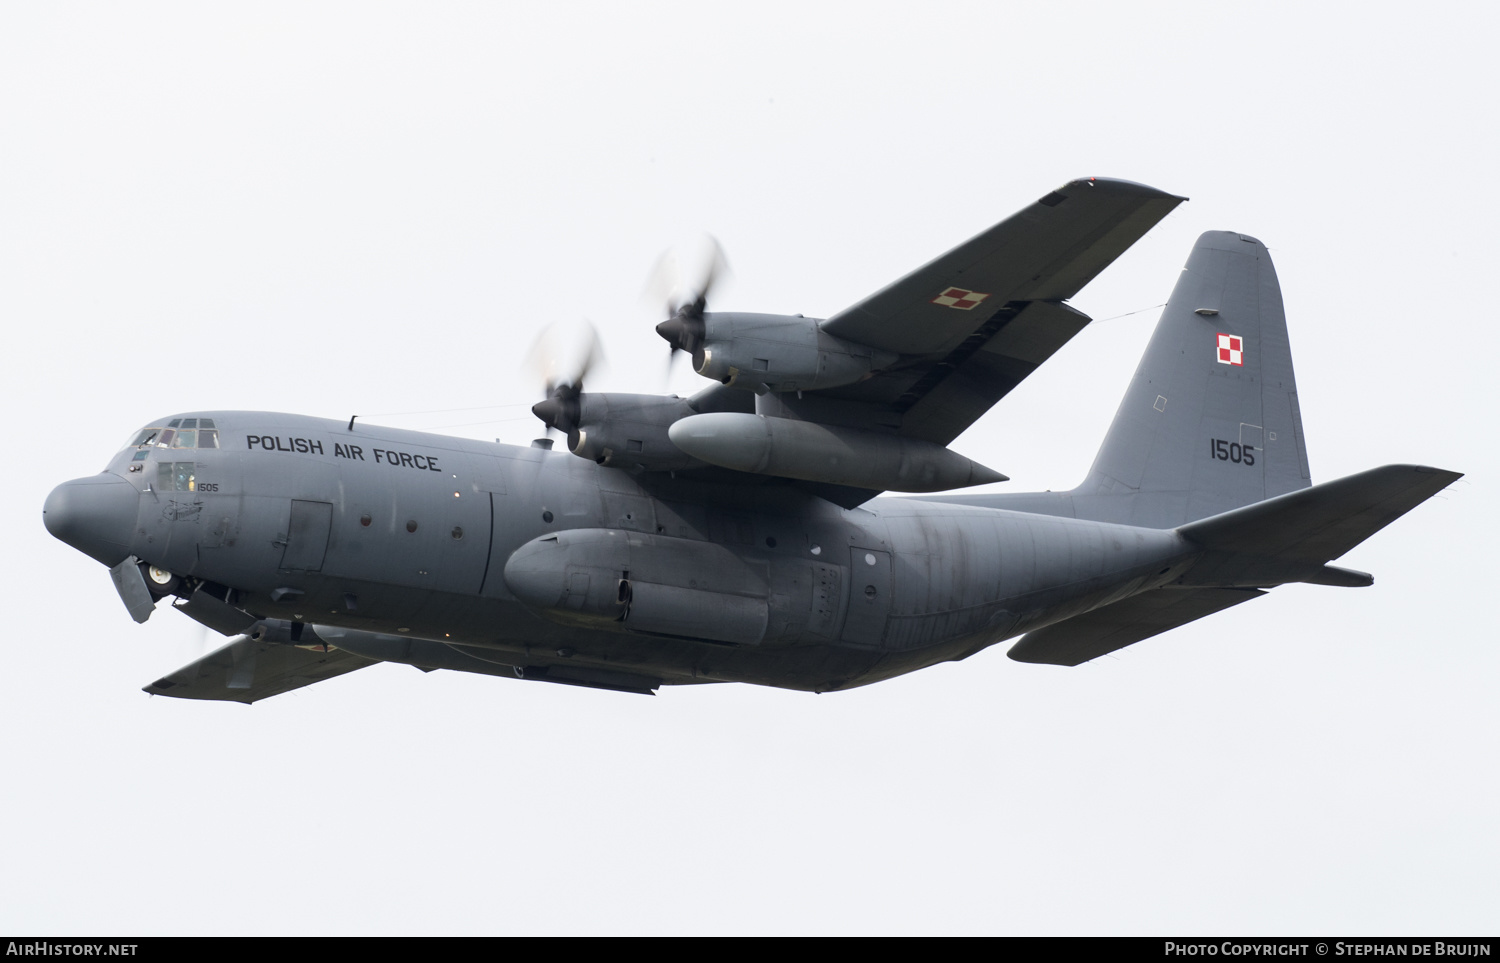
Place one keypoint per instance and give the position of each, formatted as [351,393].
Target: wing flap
[939,409]
[1104,630]
[247,671]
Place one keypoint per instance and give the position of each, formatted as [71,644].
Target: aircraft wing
[972,324]
[247,671]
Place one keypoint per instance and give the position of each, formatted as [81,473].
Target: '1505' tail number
[1232,451]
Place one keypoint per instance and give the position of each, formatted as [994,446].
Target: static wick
[351,421]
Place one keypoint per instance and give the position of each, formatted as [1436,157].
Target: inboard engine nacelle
[630,431]
[779,353]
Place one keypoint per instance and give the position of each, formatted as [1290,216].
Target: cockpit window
[144,437]
[179,433]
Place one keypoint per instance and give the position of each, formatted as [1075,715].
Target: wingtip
[1452,476]
[1120,184]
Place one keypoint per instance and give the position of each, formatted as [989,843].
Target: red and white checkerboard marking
[1231,349]
[960,299]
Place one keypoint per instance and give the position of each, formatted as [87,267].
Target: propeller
[686,296]
[561,357]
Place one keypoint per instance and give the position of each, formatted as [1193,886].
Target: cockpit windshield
[178,433]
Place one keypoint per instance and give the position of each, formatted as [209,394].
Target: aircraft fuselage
[535,558]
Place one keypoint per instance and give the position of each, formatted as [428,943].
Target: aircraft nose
[95,515]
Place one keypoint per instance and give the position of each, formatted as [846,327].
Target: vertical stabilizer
[1210,421]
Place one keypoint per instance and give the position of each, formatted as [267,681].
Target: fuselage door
[307,536]
[869,596]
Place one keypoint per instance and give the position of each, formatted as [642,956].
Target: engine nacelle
[780,353]
[630,431]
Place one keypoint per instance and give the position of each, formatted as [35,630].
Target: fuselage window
[186,438]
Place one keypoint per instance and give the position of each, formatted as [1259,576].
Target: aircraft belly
[515,636]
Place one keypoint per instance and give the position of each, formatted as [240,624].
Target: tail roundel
[1210,421]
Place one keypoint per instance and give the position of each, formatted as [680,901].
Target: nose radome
[95,515]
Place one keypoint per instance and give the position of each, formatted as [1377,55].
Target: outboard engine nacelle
[779,353]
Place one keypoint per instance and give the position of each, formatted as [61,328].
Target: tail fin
[1210,421]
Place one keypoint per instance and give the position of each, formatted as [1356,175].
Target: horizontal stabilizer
[1288,538]
[1088,636]
[247,671]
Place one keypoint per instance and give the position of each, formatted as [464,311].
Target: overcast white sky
[341,208]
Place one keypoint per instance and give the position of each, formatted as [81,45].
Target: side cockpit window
[176,476]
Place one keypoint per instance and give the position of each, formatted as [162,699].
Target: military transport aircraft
[736,536]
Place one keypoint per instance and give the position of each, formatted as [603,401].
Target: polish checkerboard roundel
[1231,349]
[959,298]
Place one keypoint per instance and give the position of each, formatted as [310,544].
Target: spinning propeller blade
[685,294]
[561,358]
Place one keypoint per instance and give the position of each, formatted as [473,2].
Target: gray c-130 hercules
[736,536]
